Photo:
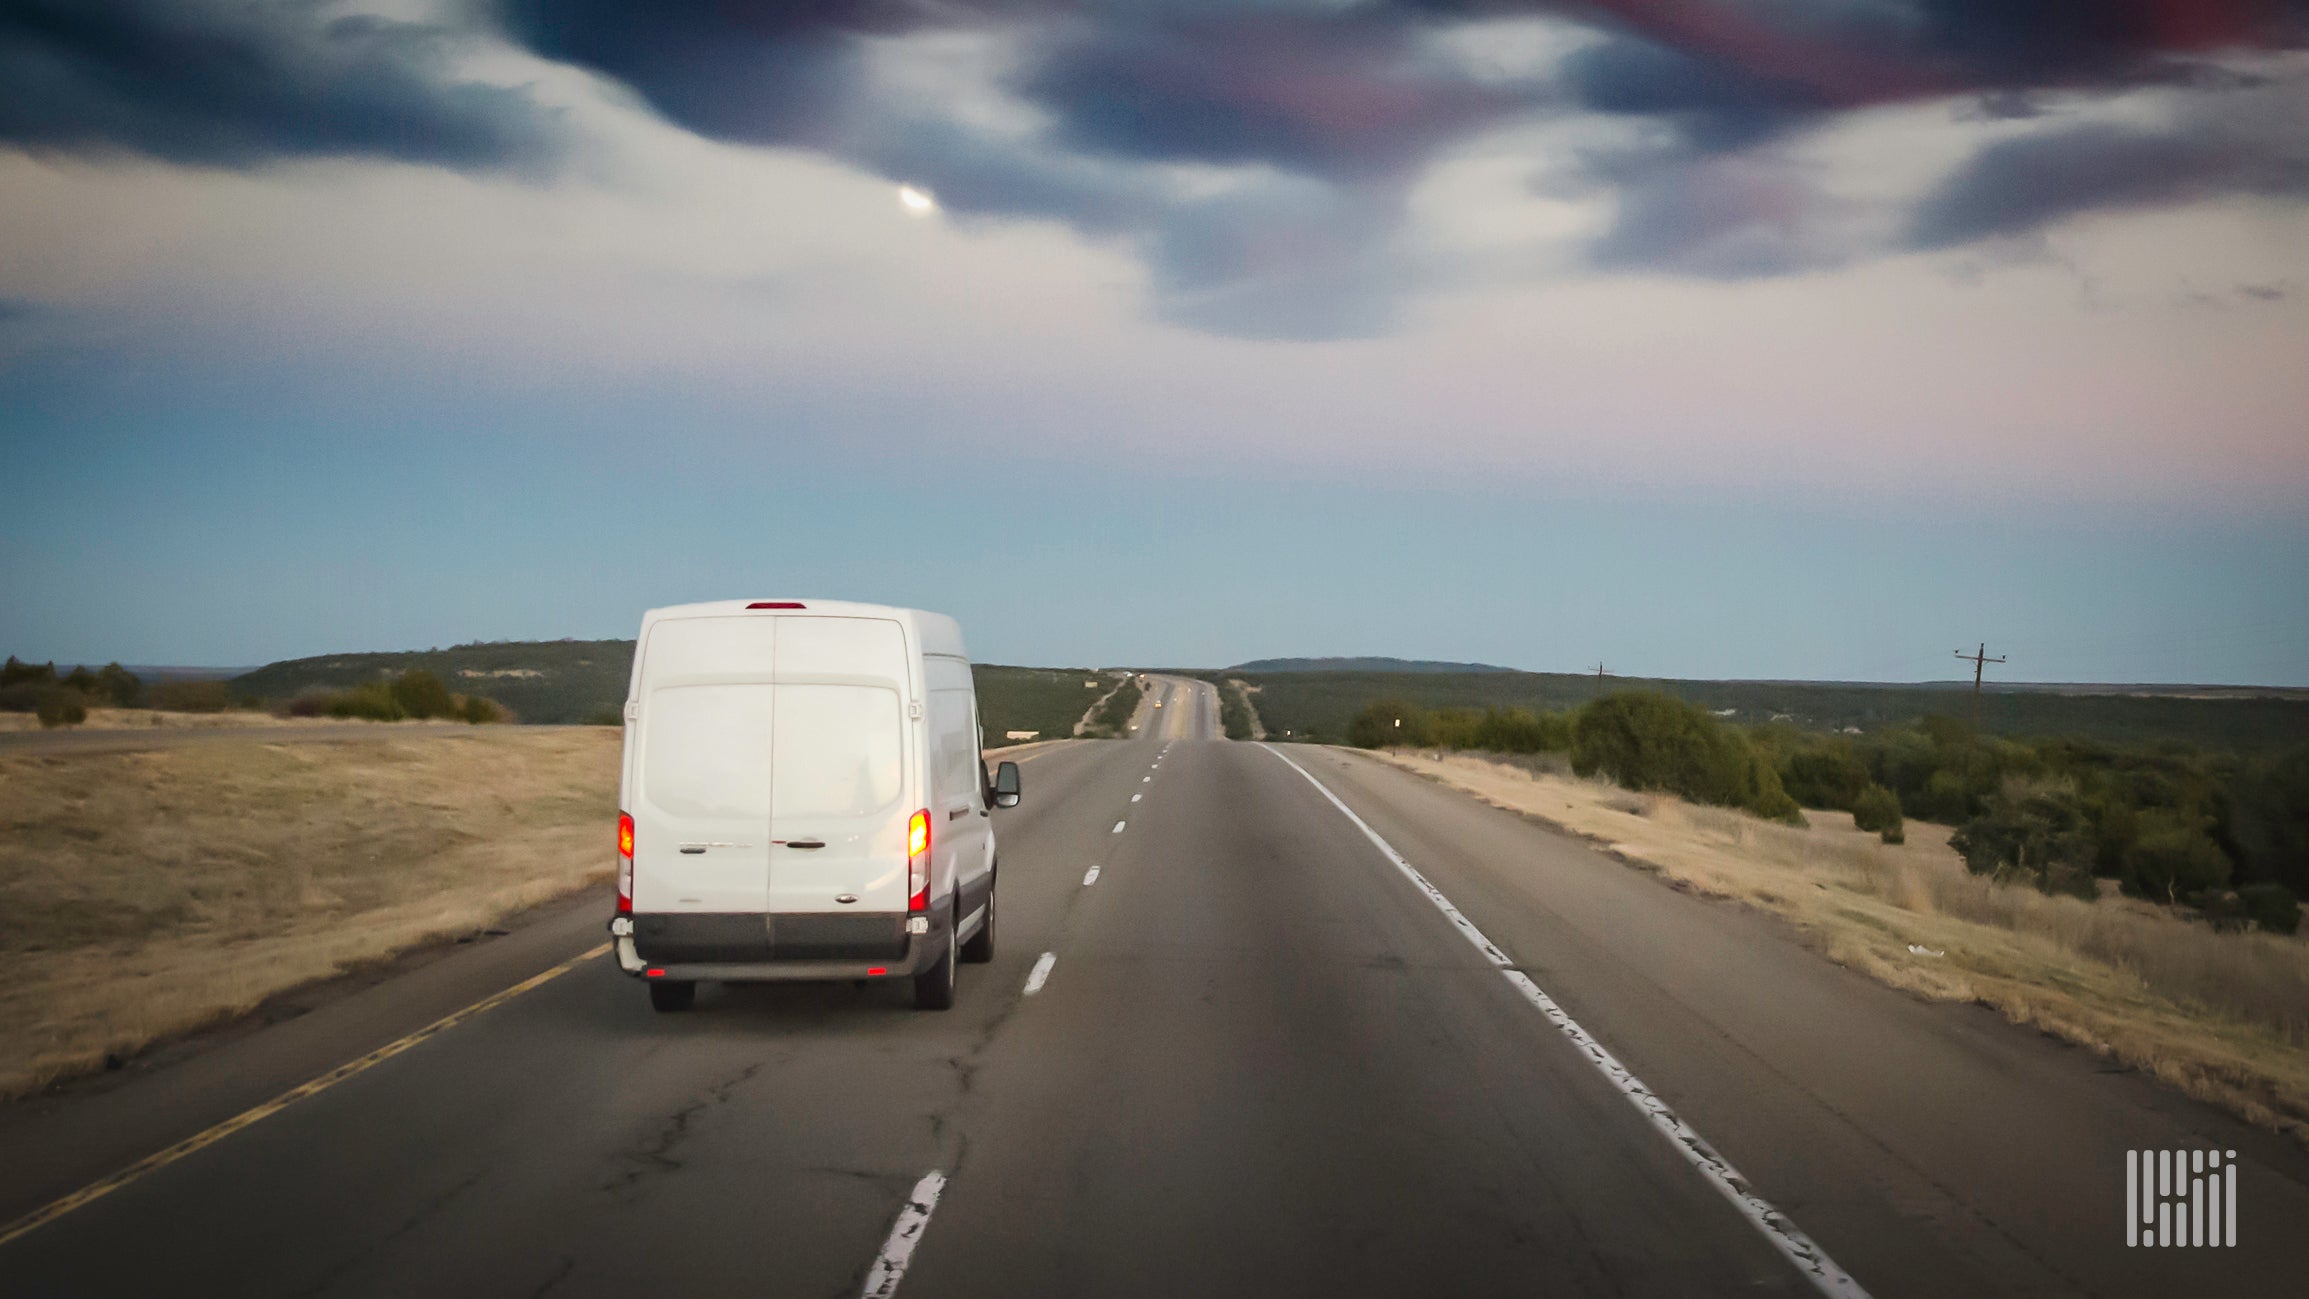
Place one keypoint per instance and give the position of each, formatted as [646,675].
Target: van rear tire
[934,987]
[667,998]
[980,949]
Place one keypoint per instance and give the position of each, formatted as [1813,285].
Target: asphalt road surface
[1227,1046]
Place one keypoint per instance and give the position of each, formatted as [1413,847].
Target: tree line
[2227,833]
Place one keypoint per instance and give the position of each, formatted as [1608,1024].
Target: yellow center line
[152,1163]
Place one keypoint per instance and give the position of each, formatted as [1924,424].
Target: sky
[1701,338]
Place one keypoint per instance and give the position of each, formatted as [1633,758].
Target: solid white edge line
[1808,1257]
[1040,974]
[890,1265]
[1117,828]
[1090,877]
[1465,926]
[1812,1261]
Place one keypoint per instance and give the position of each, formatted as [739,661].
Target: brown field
[2223,1016]
[139,719]
[145,894]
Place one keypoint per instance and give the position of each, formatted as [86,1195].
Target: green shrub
[479,710]
[16,672]
[605,716]
[59,706]
[118,686]
[2271,906]
[192,696]
[2037,835]
[1824,775]
[1381,725]
[421,694]
[2172,858]
[372,700]
[1645,740]
[1877,808]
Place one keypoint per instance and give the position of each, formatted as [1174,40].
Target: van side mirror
[1006,785]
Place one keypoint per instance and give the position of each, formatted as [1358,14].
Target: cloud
[2248,144]
[240,83]
[1255,156]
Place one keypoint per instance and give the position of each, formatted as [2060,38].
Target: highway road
[1262,1020]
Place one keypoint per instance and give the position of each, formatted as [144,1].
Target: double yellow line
[153,1163]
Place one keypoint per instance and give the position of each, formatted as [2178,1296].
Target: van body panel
[772,761]
[701,805]
[838,754]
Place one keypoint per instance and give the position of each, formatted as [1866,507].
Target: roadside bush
[605,716]
[61,707]
[1825,775]
[118,686]
[1645,740]
[372,700]
[309,703]
[16,672]
[192,696]
[420,694]
[1878,809]
[2172,858]
[2271,906]
[478,710]
[2030,833]
[1381,724]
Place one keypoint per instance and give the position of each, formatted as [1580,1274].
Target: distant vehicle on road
[804,797]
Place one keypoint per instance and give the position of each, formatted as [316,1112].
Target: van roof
[934,633]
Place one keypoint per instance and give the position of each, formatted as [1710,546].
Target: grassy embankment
[1047,701]
[1237,718]
[1110,718]
[2224,1016]
[148,893]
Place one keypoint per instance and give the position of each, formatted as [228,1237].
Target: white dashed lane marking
[1090,877]
[1036,977]
[890,1265]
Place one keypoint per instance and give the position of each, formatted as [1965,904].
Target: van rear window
[706,751]
[837,752]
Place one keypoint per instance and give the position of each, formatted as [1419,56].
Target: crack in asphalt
[657,1156]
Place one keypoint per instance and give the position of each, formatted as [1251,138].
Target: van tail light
[624,864]
[918,861]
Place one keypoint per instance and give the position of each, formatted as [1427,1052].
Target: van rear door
[701,806]
[839,773]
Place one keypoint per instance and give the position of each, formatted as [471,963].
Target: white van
[803,798]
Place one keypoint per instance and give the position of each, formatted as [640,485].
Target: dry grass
[145,894]
[141,719]
[2225,1017]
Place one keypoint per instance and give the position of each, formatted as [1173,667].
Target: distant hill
[576,681]
[541,681]
[1381,664]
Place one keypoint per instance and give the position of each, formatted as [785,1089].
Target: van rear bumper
[753,947]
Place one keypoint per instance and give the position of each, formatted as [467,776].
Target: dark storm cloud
[1326,111]
[220,82]
[1348,104]
[2021,185]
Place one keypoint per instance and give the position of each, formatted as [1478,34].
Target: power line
[1980,660]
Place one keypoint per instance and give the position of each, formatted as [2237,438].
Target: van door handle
[805,843]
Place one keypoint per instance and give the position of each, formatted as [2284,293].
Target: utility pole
[1980,660]
[1599,679]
